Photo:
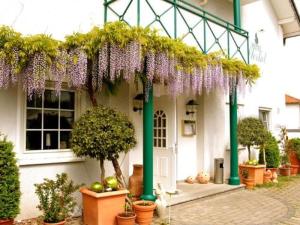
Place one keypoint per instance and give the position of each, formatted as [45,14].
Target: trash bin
[219,171]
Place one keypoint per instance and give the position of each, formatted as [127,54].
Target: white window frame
[34,157]
[266,123]
[161,128]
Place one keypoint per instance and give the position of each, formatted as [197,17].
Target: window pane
[66,120]
[51,100]
[164,143]
[33,140]
[159,121]
[164,133]
[155,142]
[35,102]
[50,140]
[50,119]
[155,132]
[164,123]
[65,139]
[67,100]
[159,133]
[155,122]
[159,143]
[34,119]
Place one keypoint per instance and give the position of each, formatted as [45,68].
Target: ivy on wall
[116,52]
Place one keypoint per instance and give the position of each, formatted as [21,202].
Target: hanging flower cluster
[116,52]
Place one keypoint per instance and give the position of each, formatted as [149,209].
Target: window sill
[27,159]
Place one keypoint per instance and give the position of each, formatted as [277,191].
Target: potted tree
[272,154]
[294,155]
[284,169]
[103,133]
[9,183]
[56,200]
[251,132]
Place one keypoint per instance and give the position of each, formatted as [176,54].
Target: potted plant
[251,132]
[103,134]
[249,181]
[294,154]
[284,169]
[56,200]
[144,211]
[128,216]
[9,183]
[272,153]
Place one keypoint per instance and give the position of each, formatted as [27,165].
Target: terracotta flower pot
[126,219]
[285,171]
[6,222]
[256,172]
[136,181]
[102,208]
[249,183]
[58,223]
[144,211]
[294,170]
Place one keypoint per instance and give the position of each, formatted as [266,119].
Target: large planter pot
[6,221]
[285,171]
[102,208]
[249,183]
[144,212]
[136,181]
[126,219]
[255,172]
[294,170]
[294,160]
[58,223]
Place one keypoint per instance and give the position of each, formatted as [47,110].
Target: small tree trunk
[118,171]
[249,152]
[102,170]
[264,154]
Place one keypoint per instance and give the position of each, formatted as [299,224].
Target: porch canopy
[120,51]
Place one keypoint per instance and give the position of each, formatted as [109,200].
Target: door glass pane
[164,123]
[159,143]
[164,143]
[67,100]
[159,133]
[50,140]
[155,132]
[50,119]
[33,140]
[34,119]
[164,133]
[65,137]
[35,102]
[159,121]
[155,142]
[51,100]
[66,119]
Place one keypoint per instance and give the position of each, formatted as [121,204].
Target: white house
[179,151]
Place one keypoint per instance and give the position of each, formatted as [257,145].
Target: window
[49,120]
[160,129]
[264,116]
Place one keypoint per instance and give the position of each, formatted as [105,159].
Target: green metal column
[147,136]
[148,147]
[234,169]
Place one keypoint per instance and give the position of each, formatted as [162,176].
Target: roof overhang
[291,100]
[287,16]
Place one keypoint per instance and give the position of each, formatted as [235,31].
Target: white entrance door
[164,152]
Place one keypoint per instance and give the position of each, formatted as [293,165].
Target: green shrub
[272,152]
[103,133]
[251,131]
[9,181]
[294,145]
[55,196]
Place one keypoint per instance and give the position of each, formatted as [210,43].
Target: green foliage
[272,152]
[251,132]
[121,34]
[55,196]
[9,181]
[294,145]
[102,133]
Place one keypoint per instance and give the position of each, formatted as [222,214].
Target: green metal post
[234,173]
[148,147]
[148,137]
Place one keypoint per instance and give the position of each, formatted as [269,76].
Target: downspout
[234,175]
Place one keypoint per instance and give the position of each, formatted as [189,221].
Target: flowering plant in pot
[144,211]
[128,216]
[9,183]
[56,200]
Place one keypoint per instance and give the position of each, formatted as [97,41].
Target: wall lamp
[138,103]
[191,107]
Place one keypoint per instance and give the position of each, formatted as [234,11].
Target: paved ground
[263,206]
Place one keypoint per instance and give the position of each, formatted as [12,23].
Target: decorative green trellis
[183,20]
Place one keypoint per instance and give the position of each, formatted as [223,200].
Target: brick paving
[263,206]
